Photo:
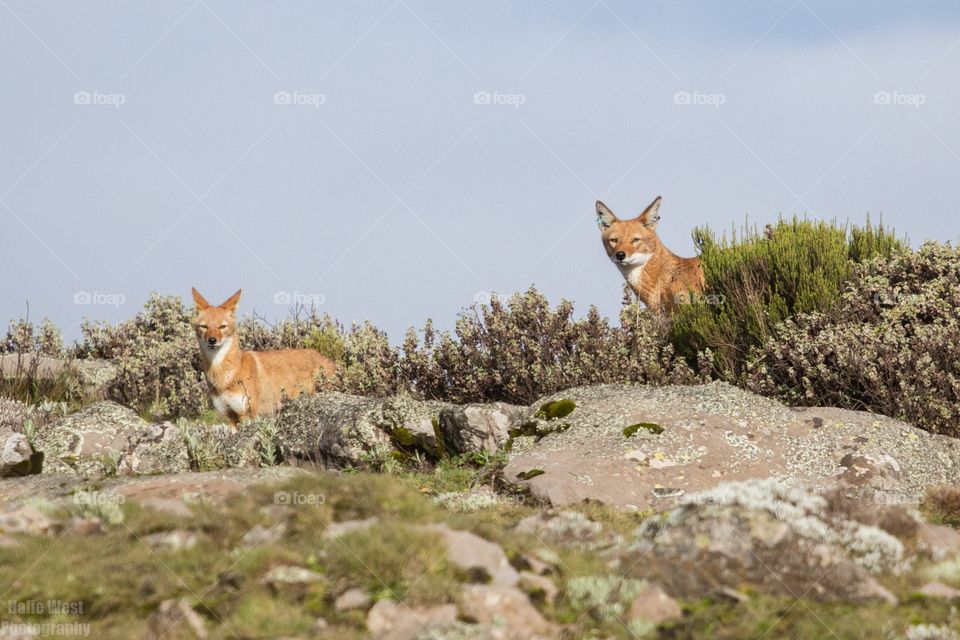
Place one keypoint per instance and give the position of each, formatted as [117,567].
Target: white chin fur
[219,353]
[636,260]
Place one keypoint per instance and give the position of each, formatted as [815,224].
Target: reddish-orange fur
[661,279]
[245,384]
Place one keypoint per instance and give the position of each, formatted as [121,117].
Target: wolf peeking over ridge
[244,384]
[661,279]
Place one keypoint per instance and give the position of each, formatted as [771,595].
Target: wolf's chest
[237,402]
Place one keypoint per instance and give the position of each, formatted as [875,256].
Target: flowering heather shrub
[890,345]
[290,333]
[24,337]
[514,352]
[755,281]
[158,368]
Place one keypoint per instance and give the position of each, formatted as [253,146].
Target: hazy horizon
[398,160]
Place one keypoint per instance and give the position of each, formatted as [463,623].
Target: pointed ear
[198,299]
[651,215]
[231,303]
[605,217]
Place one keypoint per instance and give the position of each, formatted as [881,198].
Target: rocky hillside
[601,512]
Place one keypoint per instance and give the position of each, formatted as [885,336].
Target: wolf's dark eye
[636,239]
[203,326]
[223,326]
[614,240]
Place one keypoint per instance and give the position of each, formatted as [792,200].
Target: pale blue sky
[390,194]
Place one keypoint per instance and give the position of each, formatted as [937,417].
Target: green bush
[25,337]
[158,363]
[890,345]
[516,352]
[755,281]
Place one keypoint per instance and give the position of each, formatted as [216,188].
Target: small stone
[169,506]
[337,529]
[667,492]
[938,589]
[539,588]
[25,520]
[653,605]
[259,535]
[176,540]
[388,620]
[351,599]
[176,619]
[290,574]
[486,604]
[84,526]
[473,553]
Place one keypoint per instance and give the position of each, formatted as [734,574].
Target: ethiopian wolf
[661,279]
[245,384]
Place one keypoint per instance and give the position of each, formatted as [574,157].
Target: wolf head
[629,243]
[215,327]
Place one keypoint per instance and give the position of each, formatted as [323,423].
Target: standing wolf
[245,384]
[661,279]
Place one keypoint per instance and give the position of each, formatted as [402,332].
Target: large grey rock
[108,438]
[686,439]
[474,428]
[339,430]
[774,538]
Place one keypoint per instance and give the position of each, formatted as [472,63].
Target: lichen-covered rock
[777,539]
[12,414]
[333,429]
[155,448]
[339,430]
[567,528]
[107,438]
[642,447]
[474,428]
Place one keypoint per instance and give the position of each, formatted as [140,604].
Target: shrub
[296,332]
[889,345]
[942,504]
[24,337]
[755,281]
[158,368]
[516,352]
